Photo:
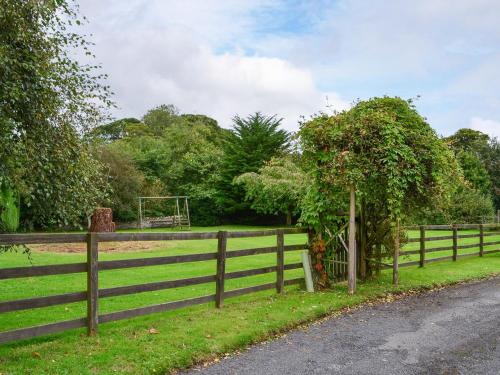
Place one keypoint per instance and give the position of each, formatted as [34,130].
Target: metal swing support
[179,219]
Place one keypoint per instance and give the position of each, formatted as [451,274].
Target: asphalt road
[450,331]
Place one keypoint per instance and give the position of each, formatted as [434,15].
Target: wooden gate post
[395,261]
[221,268]
[280,261]
[455,242]
[351,271]
[481,240]
[422,246]
[92,284]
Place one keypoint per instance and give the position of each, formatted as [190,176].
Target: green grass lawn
[191,334]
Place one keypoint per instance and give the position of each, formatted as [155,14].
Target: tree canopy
[251,142]
[388,153]
[479,157]
[47,100]
[277,188]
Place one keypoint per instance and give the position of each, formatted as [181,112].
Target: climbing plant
[394,160]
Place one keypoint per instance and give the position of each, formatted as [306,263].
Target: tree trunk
[378,257]
[289,217]
[362,240]
[102,220]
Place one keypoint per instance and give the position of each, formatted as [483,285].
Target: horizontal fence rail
[92,267]
[485,230]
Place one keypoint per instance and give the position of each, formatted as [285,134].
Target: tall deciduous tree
[47,99]
[276,188]
[479,157]
[126,181]
[160,118]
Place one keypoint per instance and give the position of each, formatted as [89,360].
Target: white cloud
[228,57]
[166,55]
[490,127]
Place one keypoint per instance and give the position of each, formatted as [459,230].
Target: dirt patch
[106,247]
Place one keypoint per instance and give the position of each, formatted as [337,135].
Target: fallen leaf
[153,331]
[36,355]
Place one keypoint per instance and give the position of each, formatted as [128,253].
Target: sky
[297,58]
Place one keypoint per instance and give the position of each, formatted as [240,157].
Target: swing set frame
[177,220]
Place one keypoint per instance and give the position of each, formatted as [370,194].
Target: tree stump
[102,220]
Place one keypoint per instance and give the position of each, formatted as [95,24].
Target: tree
[48,100]
[468,205]
[491,161]
[392,157]
[161,117]
[9,210]
[475,172]
[115,130]
[276,188]
[252,141]
[126,181]
[479,157]
[468,140]
[182,159]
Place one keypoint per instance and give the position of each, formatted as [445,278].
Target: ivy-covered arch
[394,160]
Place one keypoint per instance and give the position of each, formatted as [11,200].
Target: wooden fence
[92,267]
[485,231]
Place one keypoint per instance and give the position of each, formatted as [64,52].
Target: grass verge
[160,343]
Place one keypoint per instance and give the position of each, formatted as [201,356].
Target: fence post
[395,262]
[221,268]
[455,242]
[422,246]
[92,284]
[481,239]
[280,261]
[351,263]
[306,265]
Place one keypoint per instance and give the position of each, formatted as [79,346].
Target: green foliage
[160,118]
[187,154]
[194,159]
[469,206]
[47,100]
[67,185]
[468,140]
[392,157]
[277,188]
[182,156]
[474,171]
[9,209]
[115,130]
[252,141]
[492,164]
[386,150]
[479,158]
[126,181]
